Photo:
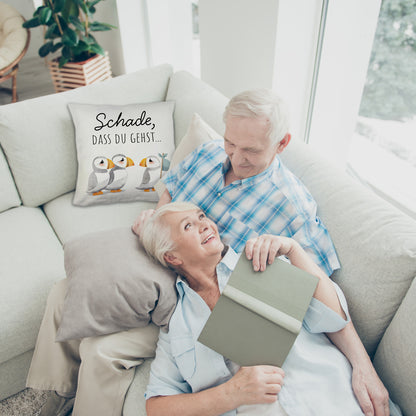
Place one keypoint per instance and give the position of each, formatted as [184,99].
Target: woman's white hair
[261,103]
[156,235]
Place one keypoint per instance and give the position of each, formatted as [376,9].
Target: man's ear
[172,259]
[283,143]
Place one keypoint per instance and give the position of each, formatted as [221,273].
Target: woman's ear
[171,259]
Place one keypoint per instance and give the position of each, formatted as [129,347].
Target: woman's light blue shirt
[317,375]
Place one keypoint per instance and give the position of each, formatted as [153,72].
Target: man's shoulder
[209,151]
[287,182]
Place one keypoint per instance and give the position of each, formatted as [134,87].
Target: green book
[259,314]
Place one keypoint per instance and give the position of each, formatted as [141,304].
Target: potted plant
[68,30]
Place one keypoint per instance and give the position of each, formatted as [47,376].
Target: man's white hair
[156,235]
[261,104]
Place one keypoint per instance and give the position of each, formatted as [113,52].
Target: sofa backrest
[38,135]
[192,95]
[375,242]
[9,196]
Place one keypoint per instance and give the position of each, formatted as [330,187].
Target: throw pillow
[198,133]
[113,285]
[122,151]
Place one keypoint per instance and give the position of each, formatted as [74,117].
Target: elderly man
[315,377]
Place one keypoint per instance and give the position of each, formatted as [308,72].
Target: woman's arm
[250,385]
[368,388]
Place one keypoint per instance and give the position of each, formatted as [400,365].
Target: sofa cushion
[41,150]
[31,260]
[113,286]
[70,221]
[192,95]
[122,151]
[375,242]
[394,359]
[9,196]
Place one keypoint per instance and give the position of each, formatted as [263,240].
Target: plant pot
[78,74]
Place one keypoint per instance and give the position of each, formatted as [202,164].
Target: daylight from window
[383,149]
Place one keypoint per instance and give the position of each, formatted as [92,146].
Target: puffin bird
[100,176]
[118,174]
[151,173]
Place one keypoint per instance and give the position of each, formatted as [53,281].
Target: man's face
[195,236]
[247,146]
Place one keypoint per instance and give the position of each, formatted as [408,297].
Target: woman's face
[195,236]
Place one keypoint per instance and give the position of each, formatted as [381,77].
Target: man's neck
[230,177]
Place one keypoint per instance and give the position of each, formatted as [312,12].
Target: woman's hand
[141,219]
[264,249]
[255,385]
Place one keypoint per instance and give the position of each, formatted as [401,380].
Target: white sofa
[376,244]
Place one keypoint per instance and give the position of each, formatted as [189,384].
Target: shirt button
[219,194]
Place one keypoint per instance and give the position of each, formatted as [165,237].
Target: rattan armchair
[14,42]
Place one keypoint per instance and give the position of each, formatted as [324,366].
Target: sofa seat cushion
[70,221]
[134,404]
[41,151]
[31,261]
[375,242]
[9,196]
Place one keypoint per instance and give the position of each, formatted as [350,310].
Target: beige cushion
[41,151]
[9,196]
[375,242]
[394,359]
[13,36]
[113,286]
[31,261]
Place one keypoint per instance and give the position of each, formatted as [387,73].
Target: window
[383,147]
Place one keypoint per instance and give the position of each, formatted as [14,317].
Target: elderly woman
[188,378]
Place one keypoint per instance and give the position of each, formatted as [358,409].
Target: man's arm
[368,388]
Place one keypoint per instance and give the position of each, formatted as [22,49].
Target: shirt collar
[224,269]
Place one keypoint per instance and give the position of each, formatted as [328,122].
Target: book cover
[259,314]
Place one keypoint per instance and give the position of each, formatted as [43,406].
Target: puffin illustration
[100,176]
[151,173]
[118,174]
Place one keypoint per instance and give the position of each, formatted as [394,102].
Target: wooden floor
[33,80]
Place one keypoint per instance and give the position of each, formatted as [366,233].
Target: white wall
[238,42]
[170,33]
[296,41]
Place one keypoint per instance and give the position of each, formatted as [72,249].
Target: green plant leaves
[68,29]
[45,15]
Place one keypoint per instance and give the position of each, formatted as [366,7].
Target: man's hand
[370,392]
[141,219]
[264,249]
[255,385]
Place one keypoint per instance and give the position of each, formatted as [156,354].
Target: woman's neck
[202,278]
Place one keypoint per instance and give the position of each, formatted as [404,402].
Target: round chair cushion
[13,36]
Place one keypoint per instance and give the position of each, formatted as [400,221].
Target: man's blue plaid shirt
[273,202]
